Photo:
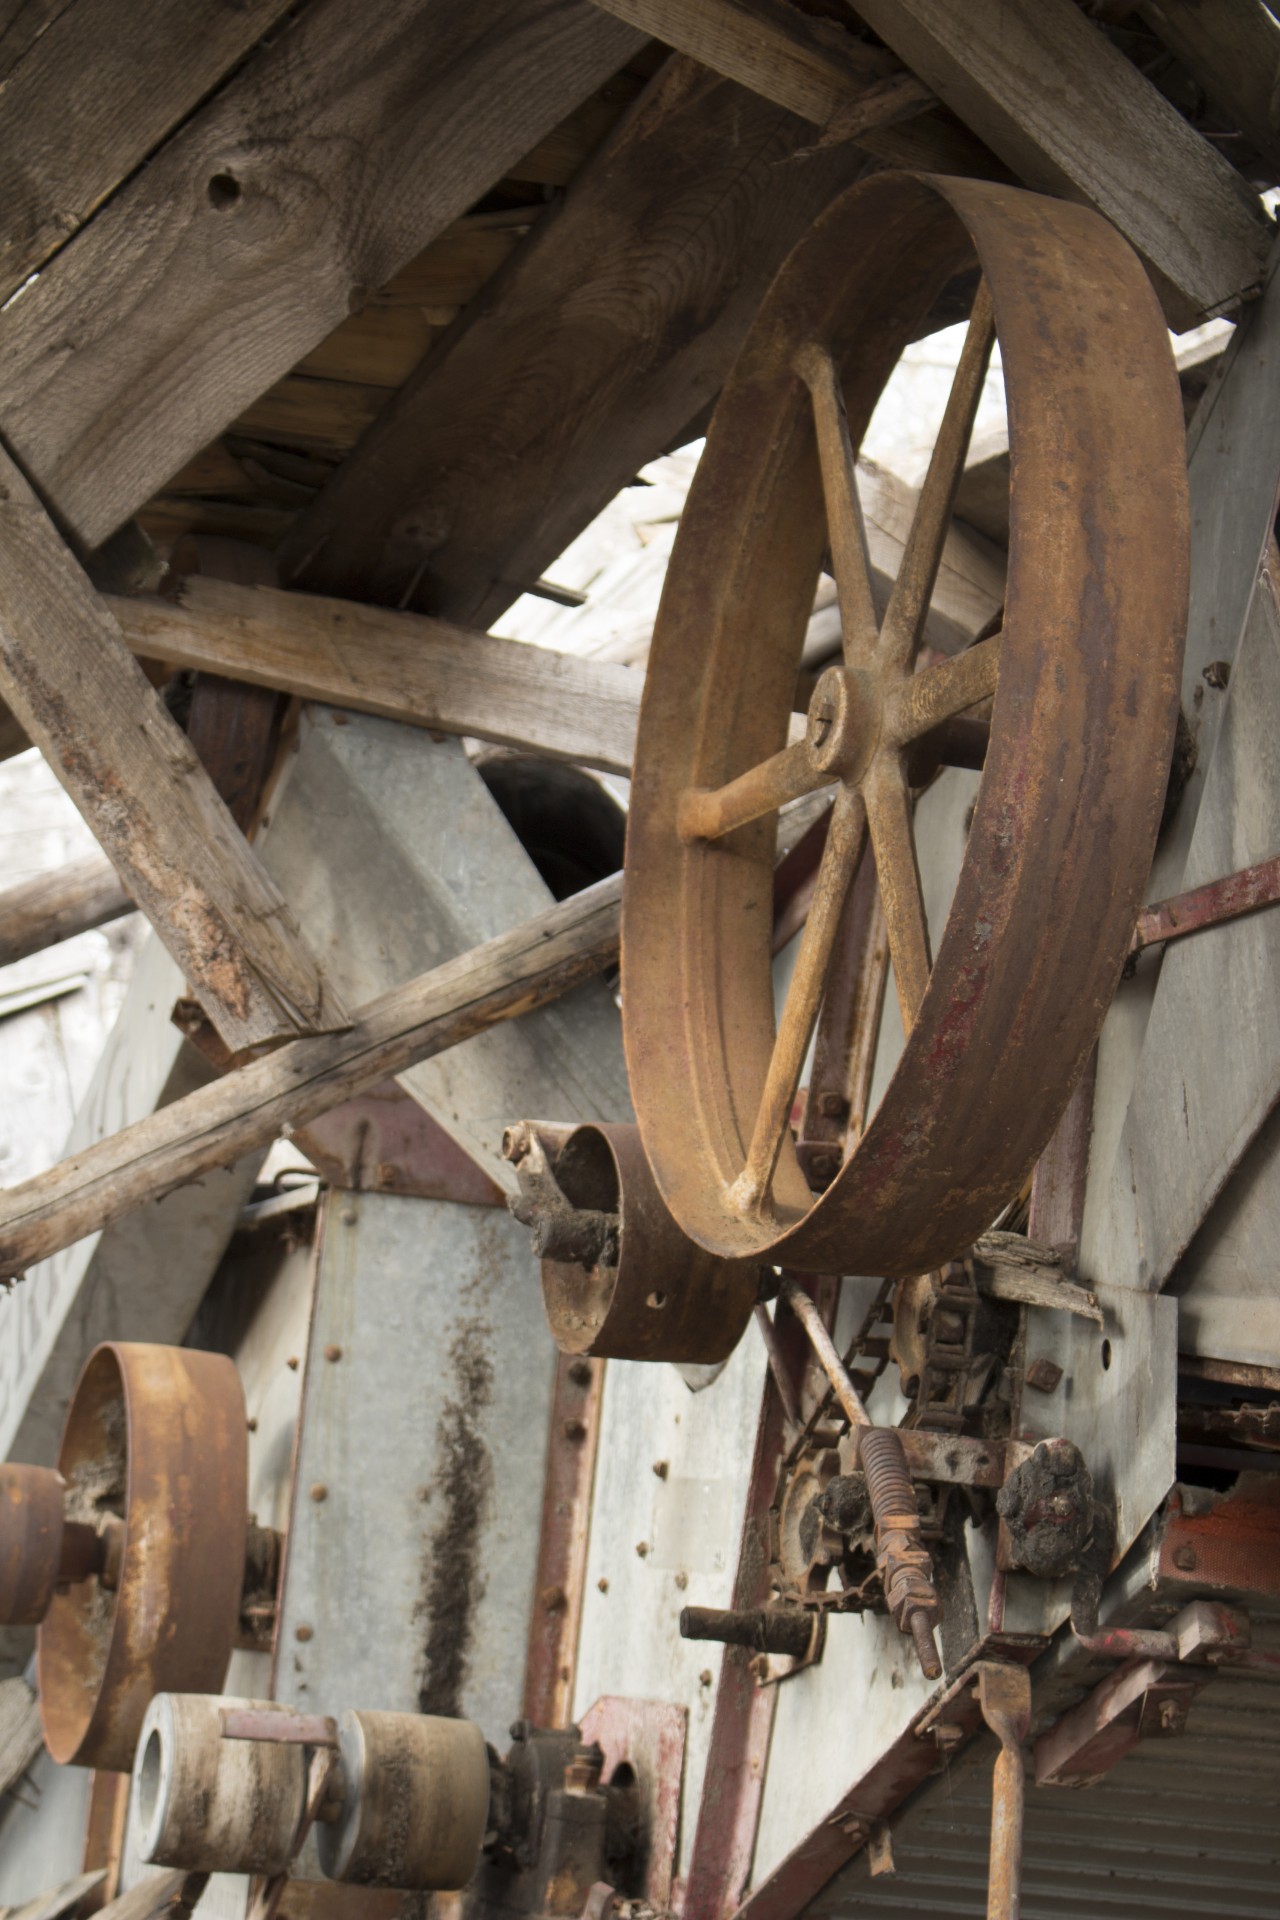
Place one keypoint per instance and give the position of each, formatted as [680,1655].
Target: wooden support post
[525,968]
[67,674]
[1060,105]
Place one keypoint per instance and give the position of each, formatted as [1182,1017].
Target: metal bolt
[303,1632]
[682,1581]
[662,1468]
[833,1106]
[603,1584]
[333,1354]
[642,1548]
[1185,1558]
[580,1373]
[704,1678]
[574,1430]
[554,1599]
[319,1491]
[292,1363]
[386,1174]
[1044,1375]
[251,1424]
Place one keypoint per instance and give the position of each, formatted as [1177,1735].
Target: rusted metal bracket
[1208,906]
[1150,1693]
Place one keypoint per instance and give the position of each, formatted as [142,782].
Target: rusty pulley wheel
[155,1438]
[1085,677]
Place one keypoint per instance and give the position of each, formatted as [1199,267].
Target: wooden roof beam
[57,906]
[402,666]
[614,322]
[82,698]
[82,109]
[511,974]
[1232,49]
[819,71]
[1067,112]
[319,171]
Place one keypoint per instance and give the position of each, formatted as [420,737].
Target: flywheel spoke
[913,588]
[839,861]
[888,803]
[845,526]
[706,813]
[926,699]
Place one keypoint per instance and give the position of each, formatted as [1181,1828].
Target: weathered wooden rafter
[820,71]
[403,666]
[526,968]
[318,172]
[1071,116]
[604,334]
[72,683]
[84,73]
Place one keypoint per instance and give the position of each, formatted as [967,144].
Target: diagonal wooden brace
[77,690]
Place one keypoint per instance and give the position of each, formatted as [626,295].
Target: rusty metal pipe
[786,1630]
[825,1349]
[777,1367]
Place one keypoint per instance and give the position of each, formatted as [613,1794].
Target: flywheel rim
[1082,724]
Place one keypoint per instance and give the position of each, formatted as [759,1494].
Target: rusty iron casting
[619,1278]
[1084,672]
[1004,1695]
[155,1439]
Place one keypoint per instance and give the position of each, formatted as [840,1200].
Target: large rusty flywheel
[1078,692]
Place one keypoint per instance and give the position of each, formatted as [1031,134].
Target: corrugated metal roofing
[1188,1825]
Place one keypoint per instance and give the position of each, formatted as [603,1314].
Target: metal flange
[154,1452]
[620,1279]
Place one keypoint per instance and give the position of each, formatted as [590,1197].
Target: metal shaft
[825,1349]
[764,1629]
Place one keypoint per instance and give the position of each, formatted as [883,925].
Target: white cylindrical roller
[416,1799]
[213,1805]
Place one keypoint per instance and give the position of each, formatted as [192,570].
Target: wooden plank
[818,70]
[1233,50]
[526,968]
[68,676]
[318,172]
[322,416]
[1209,1071]
[402,666]
[82,110]
[1049,93]
[630,299]
[1234,477]
[57,906]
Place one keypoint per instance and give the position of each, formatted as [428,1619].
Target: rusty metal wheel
[155,1436]
[1084,674]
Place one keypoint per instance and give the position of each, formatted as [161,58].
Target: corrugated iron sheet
[1188,1825]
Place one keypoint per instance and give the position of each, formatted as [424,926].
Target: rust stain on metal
[453,1582]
